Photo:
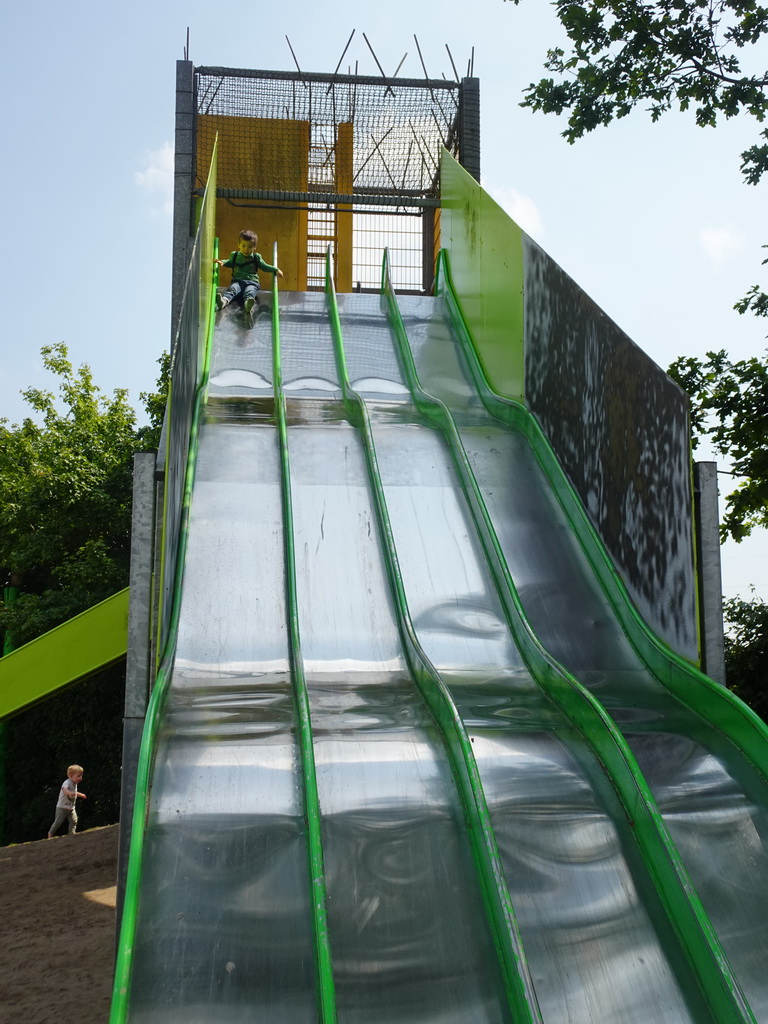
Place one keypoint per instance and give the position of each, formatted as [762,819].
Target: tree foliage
[746,652]
[65,496]
[692,54]
[729,406]
[65,505]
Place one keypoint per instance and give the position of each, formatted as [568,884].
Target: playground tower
[349,161]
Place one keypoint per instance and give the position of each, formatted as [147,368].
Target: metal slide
[396,776]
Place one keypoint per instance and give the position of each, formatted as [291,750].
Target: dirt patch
[57,929]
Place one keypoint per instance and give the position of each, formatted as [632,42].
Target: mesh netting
[350,135]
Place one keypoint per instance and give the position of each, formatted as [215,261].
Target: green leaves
[673,52]
[729,405]
[65,495]
[63,482]
[754,161]
[746,652]
[689,53]
[755,301]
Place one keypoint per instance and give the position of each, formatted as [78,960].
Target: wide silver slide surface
[224,928]
[713,800]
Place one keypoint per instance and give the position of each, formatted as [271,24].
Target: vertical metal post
[137,669]
[427,250]
[344,224]
[469,126]
[183,185]
[710,582]
[155,652]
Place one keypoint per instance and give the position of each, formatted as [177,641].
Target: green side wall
[617,423]
[485,248]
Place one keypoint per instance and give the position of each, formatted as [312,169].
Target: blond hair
[73,768]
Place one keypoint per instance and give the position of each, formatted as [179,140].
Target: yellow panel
[255,152]
[260,153]
[72,651]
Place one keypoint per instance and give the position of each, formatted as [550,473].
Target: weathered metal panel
[619,426]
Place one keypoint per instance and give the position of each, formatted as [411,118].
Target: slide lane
[226,902]
[223,917]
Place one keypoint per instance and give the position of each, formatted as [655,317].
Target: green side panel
[485,247]
[70,652]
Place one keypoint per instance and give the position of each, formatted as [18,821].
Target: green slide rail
[697,938]
[75,650]
[702,695]
[326,991]
[518,983]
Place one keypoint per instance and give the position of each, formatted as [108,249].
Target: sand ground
[57,929]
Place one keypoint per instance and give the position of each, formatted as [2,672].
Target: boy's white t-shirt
[67,795]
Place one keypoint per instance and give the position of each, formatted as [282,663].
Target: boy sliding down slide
[245,264]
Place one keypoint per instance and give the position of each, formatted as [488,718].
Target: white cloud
[157,177]
[520,208]
[721,244]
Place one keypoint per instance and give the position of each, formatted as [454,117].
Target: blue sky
[652,220]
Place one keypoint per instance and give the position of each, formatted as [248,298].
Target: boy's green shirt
[246,268]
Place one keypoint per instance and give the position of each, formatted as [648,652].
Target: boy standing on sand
[68,794]
[246,264]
